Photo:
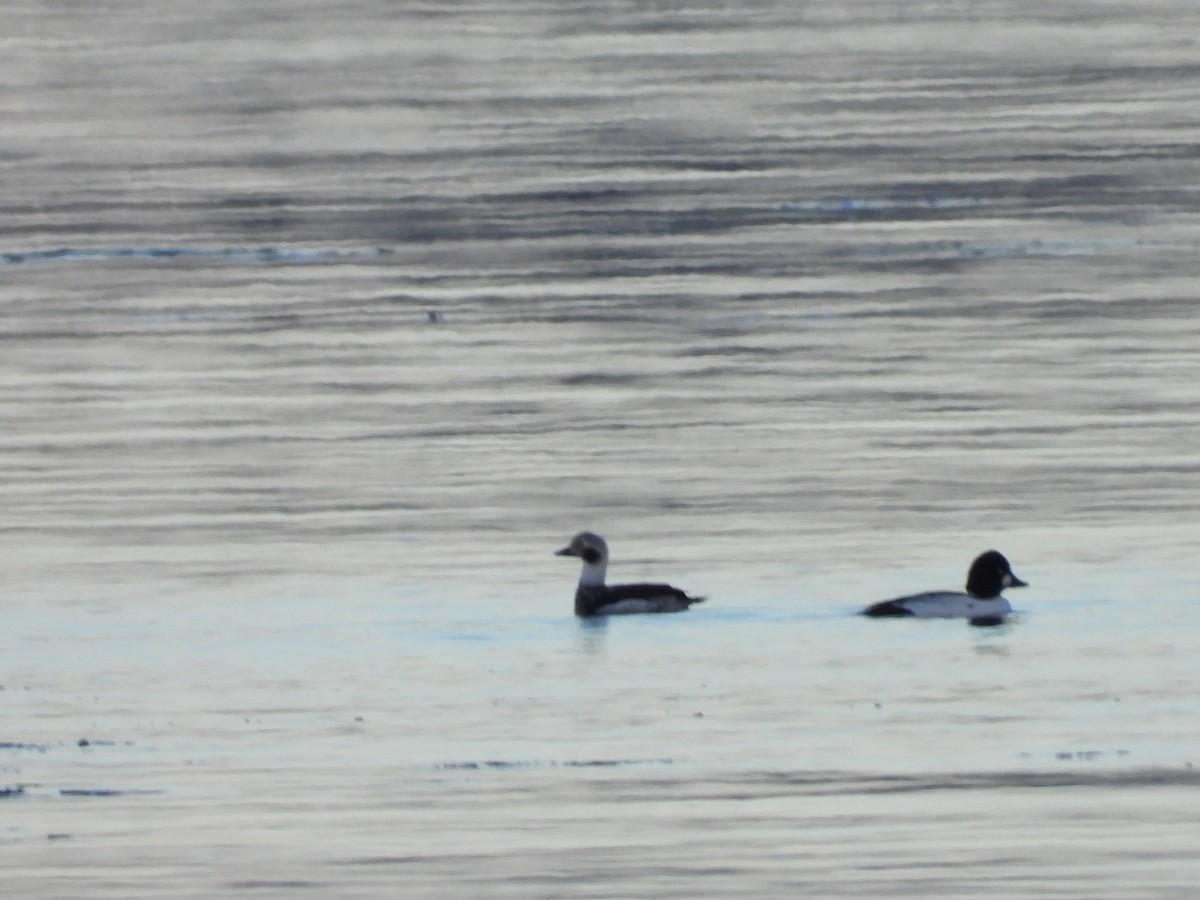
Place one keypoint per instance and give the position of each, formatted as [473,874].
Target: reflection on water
[592,634]
[323,324]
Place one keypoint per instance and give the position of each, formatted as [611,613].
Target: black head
[990,574]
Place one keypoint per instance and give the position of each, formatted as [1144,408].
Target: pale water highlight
[325,325]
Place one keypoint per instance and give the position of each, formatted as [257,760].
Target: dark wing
[930,604]
[658,598]
[895,607]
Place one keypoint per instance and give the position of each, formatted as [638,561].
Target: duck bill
[1012,580]
[565,551]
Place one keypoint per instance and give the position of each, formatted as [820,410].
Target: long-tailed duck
[595,598]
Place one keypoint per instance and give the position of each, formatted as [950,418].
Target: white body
[953,605]
[629,607]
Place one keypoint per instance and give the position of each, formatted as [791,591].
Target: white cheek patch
[1008,579]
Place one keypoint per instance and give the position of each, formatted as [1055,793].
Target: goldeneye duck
[982,604]
[594,598]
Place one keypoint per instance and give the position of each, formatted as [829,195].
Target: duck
[982,603]
[595,598]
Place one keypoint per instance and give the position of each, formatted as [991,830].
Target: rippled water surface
[324,325]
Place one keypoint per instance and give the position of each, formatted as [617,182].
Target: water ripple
[229,254]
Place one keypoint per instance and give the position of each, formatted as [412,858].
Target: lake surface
[324,325]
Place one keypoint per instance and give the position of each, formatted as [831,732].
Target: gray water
[324,325]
